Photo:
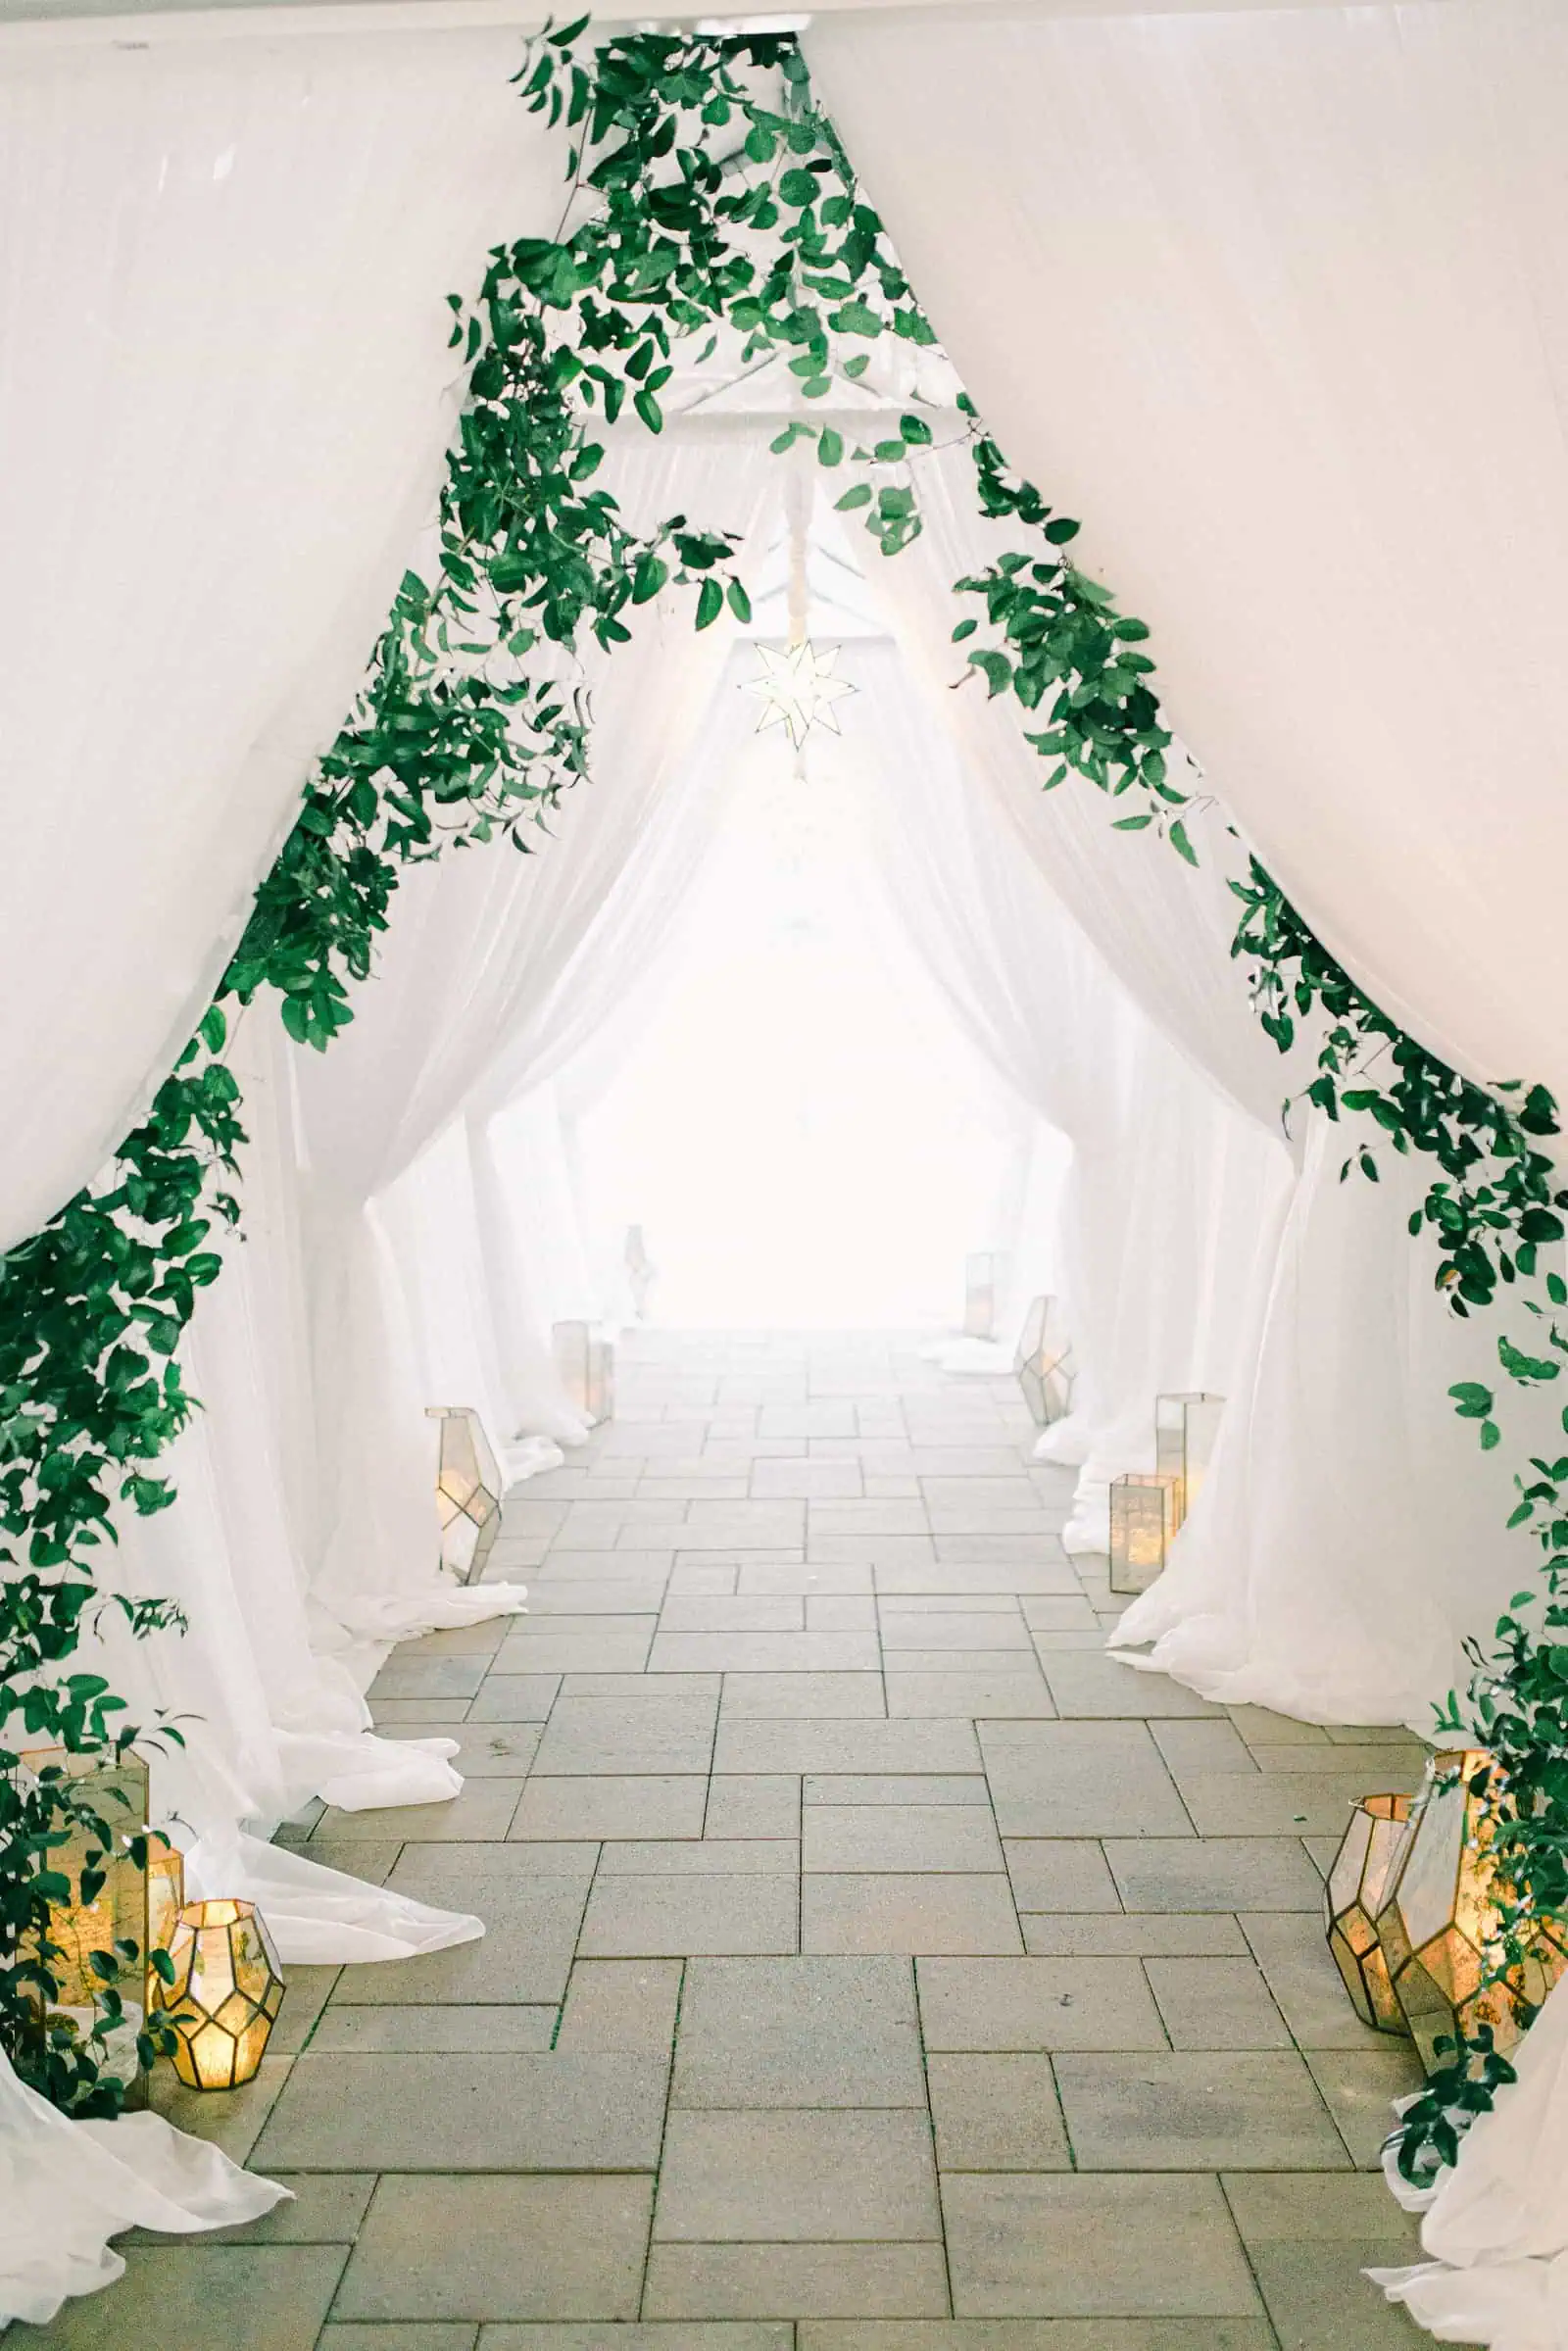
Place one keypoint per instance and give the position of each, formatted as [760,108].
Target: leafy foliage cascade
[714,200]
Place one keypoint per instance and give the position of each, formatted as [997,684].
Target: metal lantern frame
[225,1993]
[1142,1526]
[467,1492]
[1185,1428]
[1353,1894]
[1043,1364]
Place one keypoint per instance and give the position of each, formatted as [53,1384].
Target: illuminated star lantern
[799,689]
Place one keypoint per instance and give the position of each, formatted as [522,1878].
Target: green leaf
[861,494]
[1472,1401]
[1179,842]
[740,604]
[710,603]
[1491,1436]
[829,447]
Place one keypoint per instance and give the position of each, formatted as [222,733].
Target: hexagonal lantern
[226,1991]
[1439,1913]
[1352,1899]
[467,1492]
[1042,1363]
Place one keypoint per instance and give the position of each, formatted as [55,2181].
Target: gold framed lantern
[226,1994]
[1353,1896]
[1042,1363]
[1142,1526]
[1438,1916]
[585,1361]
[467,1492]
[985,1276]
[1185,1426]
[113,1922]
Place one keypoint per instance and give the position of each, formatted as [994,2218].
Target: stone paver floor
[874,1964]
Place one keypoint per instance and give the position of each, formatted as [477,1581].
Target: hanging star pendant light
[799,688]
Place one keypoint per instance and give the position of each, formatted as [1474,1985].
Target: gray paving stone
[514,1698]
[997,2113]
[797,2177]
[845,1580]
[404,1677]
[754,1804]
[1205,1747]
[1047,2244]
[1003,1692]
[580,1596]
[809,2280]
[763,1652]
[524,1954]
[386,1713]
[679,2334]
[889,1912]
[499,2246]
[933,1838]
[1146,1934]
[731,1613]
[231,2119]
[486,1750]
[974,1572]
[268,2297]
[802,2032]
[1061,1874]
[968,2004]
[960,1629]
[579,1645]
[764,1697]
[1214,1873]
[700,1857]
[607,1735]
[1083,1779]
[1307,1987]
[1319,2305]
[1085,1681]
[921,1745]
[1235,2111]
[897,1554]
[1216,2004]
[347,2030]
[681,1917]
[389,2111]
[1359,2088]
[1275,1803]
[1035,2334]
[767,1526]
[621,2004]
[481,1812]
[606,1804]
[323,2208]
[896,1788]
[806,1479]
[432,2335]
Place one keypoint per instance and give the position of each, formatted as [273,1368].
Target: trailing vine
[708,197]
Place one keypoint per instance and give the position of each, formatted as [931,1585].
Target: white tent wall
[233,392]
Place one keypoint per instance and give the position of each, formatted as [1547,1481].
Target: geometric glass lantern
[585,1361]
[467,1492]
[226,1995]
[1353,1896]
[1142,1526]
[1185,1428]
[1043,1364]
[984,1276]
[118,1913]
[1438,1916]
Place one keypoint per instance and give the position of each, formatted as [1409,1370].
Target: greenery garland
[718,200]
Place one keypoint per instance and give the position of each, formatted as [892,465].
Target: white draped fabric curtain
[1273,300]
[225,396]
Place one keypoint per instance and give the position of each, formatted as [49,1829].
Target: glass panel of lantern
[467,1492]
[1185,1429]
[1142,1526]
[1353,1896]
[116,1792]
[585,1361]
[226,1994]
[984,1277]
[1043,1364]
[1440,1910]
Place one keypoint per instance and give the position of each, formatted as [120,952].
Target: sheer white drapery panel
[66,2189]
[1309,266]
[226,393]
[476,945]
[1170,1184]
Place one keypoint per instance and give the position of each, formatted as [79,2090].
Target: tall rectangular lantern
[1186,1427]
[1142,1526]
[985,1276]
[585,1360]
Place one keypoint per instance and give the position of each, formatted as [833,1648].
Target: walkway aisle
[873,1965]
